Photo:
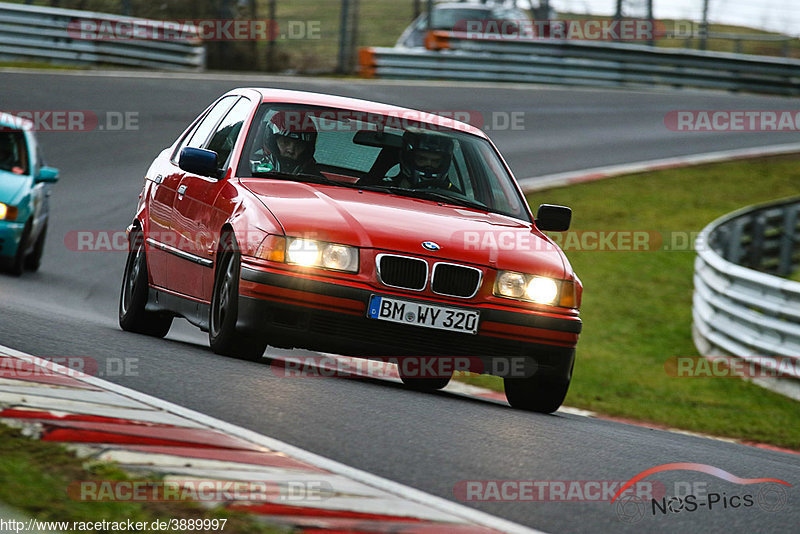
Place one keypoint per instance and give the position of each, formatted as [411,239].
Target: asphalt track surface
[427,441]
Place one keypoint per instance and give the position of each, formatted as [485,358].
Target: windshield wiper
[428,194]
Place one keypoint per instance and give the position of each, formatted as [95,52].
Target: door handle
[159,179]
[181,190]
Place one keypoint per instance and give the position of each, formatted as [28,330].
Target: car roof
[363,106]
[7,120]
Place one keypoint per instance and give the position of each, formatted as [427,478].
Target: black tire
[17,263]
[536,393]
[423,383]
[222,334]
[133,317]
[34,260]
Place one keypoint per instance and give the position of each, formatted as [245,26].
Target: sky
[773,15]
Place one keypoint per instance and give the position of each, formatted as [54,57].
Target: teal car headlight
[8,213]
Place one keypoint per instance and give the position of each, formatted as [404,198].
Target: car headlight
[309,253]
[542,290]
[304,252]
[8,213]
[534,288]
[511,285]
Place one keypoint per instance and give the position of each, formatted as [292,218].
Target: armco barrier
[39,34]
[453,56]
[741,307]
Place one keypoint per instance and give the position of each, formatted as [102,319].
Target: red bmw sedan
[302,220]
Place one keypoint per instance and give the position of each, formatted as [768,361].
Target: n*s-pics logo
[769,496]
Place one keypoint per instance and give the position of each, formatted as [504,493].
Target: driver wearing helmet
[7,159]
[425,160]
[288,145]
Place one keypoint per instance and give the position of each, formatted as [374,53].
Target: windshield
[13,154]
[393,155]
[449,18]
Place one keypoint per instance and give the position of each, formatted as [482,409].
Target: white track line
[396,488]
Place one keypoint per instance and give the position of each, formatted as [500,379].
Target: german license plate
[419,314]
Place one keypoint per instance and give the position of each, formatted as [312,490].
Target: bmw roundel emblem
[430,245]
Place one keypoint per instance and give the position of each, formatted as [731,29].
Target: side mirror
[47,175]
[552,218]
[199,161]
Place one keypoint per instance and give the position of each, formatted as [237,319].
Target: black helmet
[294,125]
[425,157]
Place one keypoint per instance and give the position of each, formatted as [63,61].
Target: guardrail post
[756,246]
[733,250]
[790,240]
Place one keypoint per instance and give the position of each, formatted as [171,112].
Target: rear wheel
[222,334]
[34,260]
[536,393]
[133,317]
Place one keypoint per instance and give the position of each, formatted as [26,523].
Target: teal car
[25,183]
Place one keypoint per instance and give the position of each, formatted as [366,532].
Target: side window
[228,131]
[198,136]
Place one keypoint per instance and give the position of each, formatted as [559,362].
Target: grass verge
[637,306]
[35,475]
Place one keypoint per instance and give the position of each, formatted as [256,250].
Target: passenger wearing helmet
[425,160]
[288,145]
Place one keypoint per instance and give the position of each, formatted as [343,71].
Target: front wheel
[421,383]
[34,260]
[133,317]
[222,334]
[536,393]
[17,264]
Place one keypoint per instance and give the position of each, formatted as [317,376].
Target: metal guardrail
[40,34]
[740,307]
[453,56]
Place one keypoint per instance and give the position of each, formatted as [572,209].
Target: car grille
[455,280]
[403,272]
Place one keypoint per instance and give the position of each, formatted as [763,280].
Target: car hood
[11,185]
[401,224]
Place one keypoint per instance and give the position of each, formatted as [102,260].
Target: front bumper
[10,234]
[330,316]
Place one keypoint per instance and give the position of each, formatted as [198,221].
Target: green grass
[35,475]
[790,48]
[637,306]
